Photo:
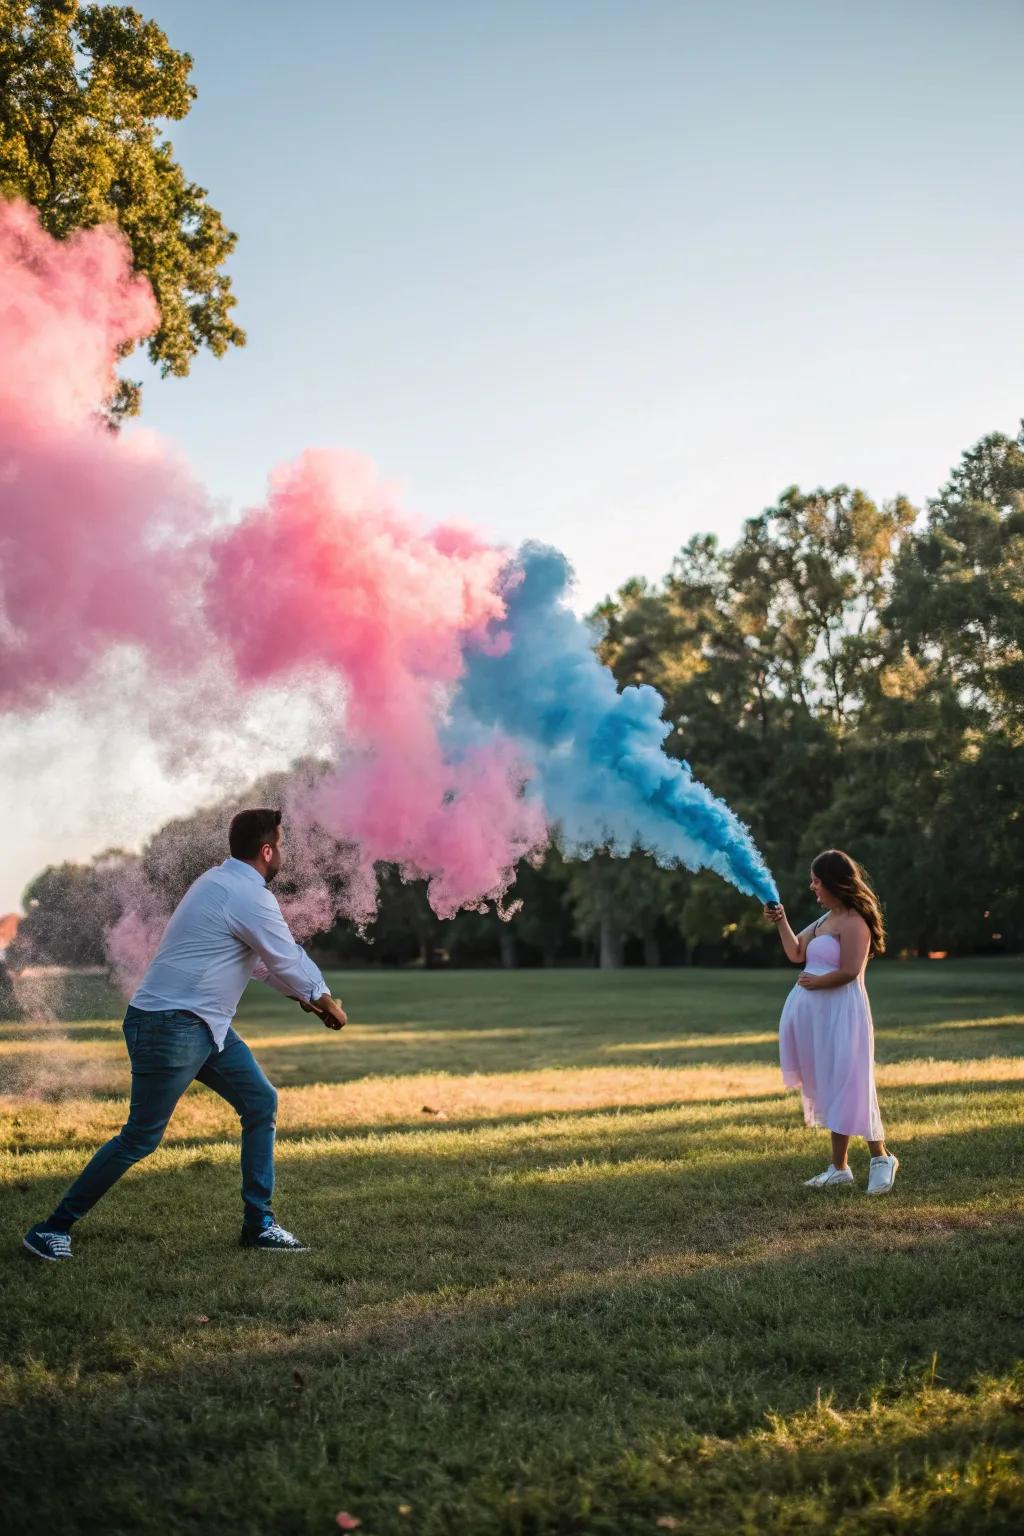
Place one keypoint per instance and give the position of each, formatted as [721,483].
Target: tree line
[845,674]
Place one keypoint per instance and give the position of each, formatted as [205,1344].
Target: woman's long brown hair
[844,879]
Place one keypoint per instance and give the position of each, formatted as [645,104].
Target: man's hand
[331,1011]
[327,1009]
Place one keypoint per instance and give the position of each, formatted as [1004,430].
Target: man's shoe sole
[275,1248]
[50,1258]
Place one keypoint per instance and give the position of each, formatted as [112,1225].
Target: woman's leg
[877,1149]
[840,1147]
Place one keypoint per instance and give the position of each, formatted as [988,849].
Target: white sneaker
[272,1239]
[882,1174]
[832,1175]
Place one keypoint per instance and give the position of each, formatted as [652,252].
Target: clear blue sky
[609,273]
[606,274]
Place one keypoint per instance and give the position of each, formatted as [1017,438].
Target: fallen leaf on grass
[201,1318]
[438,1114]
[348,1522]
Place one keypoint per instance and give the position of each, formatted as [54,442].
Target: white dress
[827,1048]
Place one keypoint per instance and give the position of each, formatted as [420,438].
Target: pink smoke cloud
[107,540]
[352,584]
[66,308]
[330,573]
[85,559]
[132,940]
[463,826]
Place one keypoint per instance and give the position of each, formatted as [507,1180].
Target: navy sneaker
[272,1239]
[47,1244]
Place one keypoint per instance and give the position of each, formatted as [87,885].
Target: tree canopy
[84,92]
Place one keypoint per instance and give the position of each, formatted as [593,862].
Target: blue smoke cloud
[601,769]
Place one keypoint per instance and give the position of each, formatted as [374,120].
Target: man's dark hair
[249,830]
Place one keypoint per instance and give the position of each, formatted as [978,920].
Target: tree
[406,927]
[543,921]
[935,768]
[9,1005]
[594,898]
[614,899]
[68,909]
[958,598]
[764,653]
[474,937]
[83,91]
[815,570]
[183,849]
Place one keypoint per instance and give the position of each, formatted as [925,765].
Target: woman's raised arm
[794,944]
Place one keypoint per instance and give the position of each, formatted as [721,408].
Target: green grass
[589,1295]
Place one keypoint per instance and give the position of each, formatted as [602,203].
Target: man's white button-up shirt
[226,929]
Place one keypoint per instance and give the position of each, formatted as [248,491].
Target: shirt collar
[240,867]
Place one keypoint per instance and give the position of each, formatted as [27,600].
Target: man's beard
[272,874]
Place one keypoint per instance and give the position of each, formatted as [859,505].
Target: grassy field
[565,1275]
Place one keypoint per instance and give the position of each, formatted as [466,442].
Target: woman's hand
[812,983]
[775,912]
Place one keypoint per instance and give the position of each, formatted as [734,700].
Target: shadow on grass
[766,1110]
[349,1061]
[579,1402]
[586,1192]
[946,1041]
[777,1112]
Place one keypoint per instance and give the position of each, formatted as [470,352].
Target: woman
[826,1040]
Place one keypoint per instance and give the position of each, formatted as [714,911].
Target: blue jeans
[168,1051]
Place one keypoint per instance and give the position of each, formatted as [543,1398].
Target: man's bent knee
[261,1107]
[138,1142]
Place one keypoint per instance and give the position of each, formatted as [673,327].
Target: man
[226,928]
